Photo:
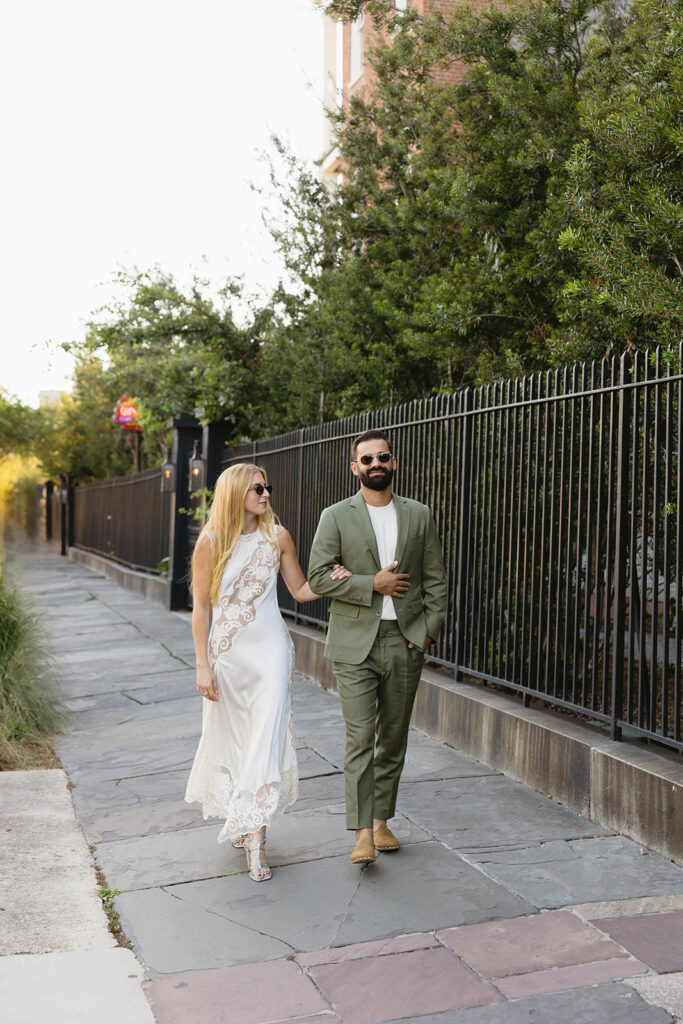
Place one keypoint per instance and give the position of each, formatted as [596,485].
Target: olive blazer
[345,535]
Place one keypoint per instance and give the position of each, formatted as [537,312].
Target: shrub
[31,707]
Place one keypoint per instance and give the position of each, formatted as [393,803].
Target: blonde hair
[226,519]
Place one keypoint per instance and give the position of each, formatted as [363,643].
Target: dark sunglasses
[367,460]
[260,488]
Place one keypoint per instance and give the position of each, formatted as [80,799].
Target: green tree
[81,438]
[437,263]
[625,198]
[21,426]
[177,351]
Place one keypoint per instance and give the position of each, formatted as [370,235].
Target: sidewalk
[501,906]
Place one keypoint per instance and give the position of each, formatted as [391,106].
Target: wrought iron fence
[125,518]
[558,500]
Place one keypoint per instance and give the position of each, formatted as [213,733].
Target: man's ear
[354,469]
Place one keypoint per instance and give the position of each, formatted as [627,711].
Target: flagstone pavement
[502,905]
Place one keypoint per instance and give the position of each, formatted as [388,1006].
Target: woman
[245,768]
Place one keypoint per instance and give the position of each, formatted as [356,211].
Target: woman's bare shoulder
[204,543]
[283,535]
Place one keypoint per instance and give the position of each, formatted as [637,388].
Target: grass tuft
[31,708]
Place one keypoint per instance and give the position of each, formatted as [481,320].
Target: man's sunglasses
[260,488]
[367,460]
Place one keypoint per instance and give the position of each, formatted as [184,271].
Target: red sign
[126,414]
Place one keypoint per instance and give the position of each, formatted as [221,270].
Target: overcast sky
[129,134]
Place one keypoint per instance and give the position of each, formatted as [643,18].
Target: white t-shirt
[383,521]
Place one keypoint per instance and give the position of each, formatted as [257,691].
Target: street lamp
[168,473]
[197,469]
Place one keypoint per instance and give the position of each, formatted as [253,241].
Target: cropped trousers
[377,699]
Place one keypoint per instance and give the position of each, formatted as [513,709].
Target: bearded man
[382,619]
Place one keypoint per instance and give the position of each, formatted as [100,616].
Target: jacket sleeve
[433,580]
[325,553]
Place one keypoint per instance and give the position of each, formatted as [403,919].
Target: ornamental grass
[31,708]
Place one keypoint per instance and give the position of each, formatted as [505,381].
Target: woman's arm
[295,581]
[201,614]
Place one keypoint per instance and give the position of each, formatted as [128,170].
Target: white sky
[129,133]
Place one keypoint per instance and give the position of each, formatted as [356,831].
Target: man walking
[381,622]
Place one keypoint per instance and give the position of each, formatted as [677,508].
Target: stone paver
[303,912]
[602,911]
[480,814]
[559,874]
[380,988]
[555,939]
[600,1004]
[657,939]
[559,979]
[252,994]
[173,935]
[422,887]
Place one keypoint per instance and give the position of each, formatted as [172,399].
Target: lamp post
[63,498]
[168,474]
[197,475]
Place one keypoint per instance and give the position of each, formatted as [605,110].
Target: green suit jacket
[345,535]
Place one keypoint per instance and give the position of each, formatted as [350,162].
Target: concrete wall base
[631,787]
[152,587]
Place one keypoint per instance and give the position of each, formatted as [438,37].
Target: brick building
[347,71]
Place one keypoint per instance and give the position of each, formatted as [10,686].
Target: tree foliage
[525,215]
[626,190]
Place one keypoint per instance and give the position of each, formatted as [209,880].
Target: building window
[357,47]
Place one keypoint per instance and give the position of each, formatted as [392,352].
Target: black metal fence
[558,499]
[125,518]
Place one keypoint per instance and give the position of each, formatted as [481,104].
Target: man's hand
[428,641]
[390,583]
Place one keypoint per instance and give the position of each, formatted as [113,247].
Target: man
[381,622]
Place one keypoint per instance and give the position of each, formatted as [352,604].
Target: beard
[376,479]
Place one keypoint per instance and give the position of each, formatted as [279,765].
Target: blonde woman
[245,768]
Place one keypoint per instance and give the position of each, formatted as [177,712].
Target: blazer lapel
[402,525]
[362,517]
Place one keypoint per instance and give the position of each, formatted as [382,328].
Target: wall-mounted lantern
[197,469]
[168,473]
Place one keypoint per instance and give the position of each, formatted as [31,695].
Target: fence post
[214,439]
[463,533]
[186,430]
[49,488]
[71,513]
[299,504]
[621,547]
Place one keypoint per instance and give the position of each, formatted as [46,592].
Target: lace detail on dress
[245,811]
[236,606]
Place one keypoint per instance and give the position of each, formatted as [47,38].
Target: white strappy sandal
[258,872]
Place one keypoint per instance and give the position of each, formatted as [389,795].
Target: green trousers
[377,699]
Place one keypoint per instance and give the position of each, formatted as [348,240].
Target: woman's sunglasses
[367,460]
[260,488]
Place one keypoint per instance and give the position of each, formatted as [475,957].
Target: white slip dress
[245,768]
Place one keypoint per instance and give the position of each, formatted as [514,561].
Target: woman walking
[245,769]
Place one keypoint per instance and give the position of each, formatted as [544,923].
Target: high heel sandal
[258,872]
[240,841]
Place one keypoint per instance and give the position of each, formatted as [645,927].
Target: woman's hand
[340,573]
[206,684]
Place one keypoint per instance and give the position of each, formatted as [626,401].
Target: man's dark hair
[369,435]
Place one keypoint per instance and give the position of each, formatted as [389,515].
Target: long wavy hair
[226,519]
